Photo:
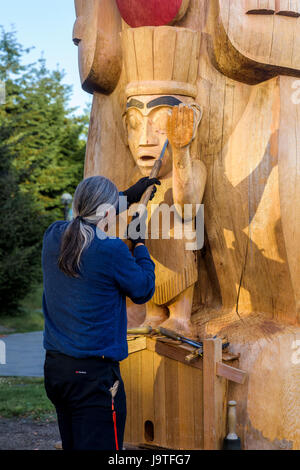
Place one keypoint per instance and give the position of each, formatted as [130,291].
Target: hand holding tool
[136,191]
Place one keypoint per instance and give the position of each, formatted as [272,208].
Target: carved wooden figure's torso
[175,267]
[182,183]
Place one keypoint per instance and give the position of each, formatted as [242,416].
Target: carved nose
[78,30]
[148,137]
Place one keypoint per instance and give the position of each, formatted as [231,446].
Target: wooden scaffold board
[173,404]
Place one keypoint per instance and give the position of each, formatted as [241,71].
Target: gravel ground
[27,434]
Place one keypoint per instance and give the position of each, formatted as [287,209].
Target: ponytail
[76,238]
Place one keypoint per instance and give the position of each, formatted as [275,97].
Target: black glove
[135,192]
[136,230]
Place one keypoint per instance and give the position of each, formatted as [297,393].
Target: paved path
[24,355]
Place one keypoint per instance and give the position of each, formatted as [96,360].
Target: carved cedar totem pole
[247,280]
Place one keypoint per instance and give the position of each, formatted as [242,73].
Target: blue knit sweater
[86,316]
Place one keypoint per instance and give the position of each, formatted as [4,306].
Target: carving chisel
[154,174]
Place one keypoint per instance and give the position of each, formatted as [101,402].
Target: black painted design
[133,103]
[164,100]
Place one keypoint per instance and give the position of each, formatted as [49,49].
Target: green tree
[21,231]
[50,140]
[42,148]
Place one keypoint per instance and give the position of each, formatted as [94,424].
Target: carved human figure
[162,106]
[150,120]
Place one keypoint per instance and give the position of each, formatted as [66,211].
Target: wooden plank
[198,408]
[170,393]
[186,406]
[177,352]
[231,373]
[159,400]
[213,395]
[229,356]
[184,349]
[136,398]
[147,391]
[137,344]
[171,390]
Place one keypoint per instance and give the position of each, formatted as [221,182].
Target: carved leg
[180,314]
[155,314]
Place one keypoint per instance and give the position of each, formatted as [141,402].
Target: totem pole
[246,284]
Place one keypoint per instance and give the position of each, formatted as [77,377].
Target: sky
[47,25]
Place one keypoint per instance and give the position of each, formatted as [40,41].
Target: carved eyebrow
[133,103]
[163,100]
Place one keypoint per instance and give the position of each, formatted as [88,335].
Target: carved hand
[181,126]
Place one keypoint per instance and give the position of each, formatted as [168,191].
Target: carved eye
[133,122]
[161,118]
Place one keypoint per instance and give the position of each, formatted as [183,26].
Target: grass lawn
[32,317]
[25,397]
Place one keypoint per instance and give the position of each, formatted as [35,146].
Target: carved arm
[189,177]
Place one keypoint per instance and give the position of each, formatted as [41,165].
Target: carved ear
[198,113]
[125,129]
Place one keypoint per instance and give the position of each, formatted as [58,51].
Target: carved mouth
[147,160]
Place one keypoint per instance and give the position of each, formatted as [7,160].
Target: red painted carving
[148,12]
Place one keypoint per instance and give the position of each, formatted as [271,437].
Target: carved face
[255,40]
[146,123]
[96,33]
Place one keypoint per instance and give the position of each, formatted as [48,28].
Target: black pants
[80,392]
